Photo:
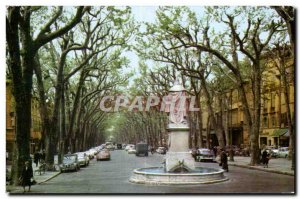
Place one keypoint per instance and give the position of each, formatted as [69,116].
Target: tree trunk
[200,142]
[225,115]
[289,116]
[22,85]
[76,104]
[208,145]
[42,101]
[62,129]
[218,128]
[55,125]
[255,152]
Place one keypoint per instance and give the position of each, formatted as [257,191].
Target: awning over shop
[281,132]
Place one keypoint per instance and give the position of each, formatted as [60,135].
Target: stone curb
[49,178]
[18,188]
[262,169]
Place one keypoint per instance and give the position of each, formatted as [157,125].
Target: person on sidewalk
[36,158]
[42,156]
[224,160]
[215,151]
[265,158]
[27,175]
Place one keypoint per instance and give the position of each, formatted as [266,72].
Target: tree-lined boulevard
[74,85]
[111,177]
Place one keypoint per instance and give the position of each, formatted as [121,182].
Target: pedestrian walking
[215,150]
[194,154]
[36,158]
[27,176]
[152,150]
[43,156]
[224,160]
[265,158]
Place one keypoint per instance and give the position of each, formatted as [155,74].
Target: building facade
[35,132]
[274,124]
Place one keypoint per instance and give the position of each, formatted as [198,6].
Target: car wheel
[146,154]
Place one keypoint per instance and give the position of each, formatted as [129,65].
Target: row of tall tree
[69,58]
[230,41]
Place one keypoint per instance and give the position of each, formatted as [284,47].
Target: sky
[141,14]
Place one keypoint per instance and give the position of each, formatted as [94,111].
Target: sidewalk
[44,177]
[276,165]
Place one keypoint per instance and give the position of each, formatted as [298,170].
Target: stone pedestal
[178,154]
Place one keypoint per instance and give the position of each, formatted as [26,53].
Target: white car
[83,159]
[161,150]
[204,154]
[91,153]
[283,152]
[110,147]
[129,146]
[131,151]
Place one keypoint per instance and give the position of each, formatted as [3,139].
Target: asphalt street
[111,177]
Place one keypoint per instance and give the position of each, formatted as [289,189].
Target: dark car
[70,163]
[141,149]
[119,146]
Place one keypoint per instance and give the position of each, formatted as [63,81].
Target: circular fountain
[179,166]
[158,175]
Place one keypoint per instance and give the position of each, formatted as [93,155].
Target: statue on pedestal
[177,104]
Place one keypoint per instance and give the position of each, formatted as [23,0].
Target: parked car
[204,154]
[129,146]
[272,150]
[141,149]
[91,153]
[193,152]
[104,154]
[161,150]
[119,146]
[70,163]
[283,152]
[83,159]
[110,147]
[131,150]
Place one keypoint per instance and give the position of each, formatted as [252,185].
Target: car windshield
[69,159]
[204,151]
[284,149]
[80,155]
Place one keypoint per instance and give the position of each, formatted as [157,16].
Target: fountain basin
[158,175]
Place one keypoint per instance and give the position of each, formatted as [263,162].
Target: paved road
[112,177]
